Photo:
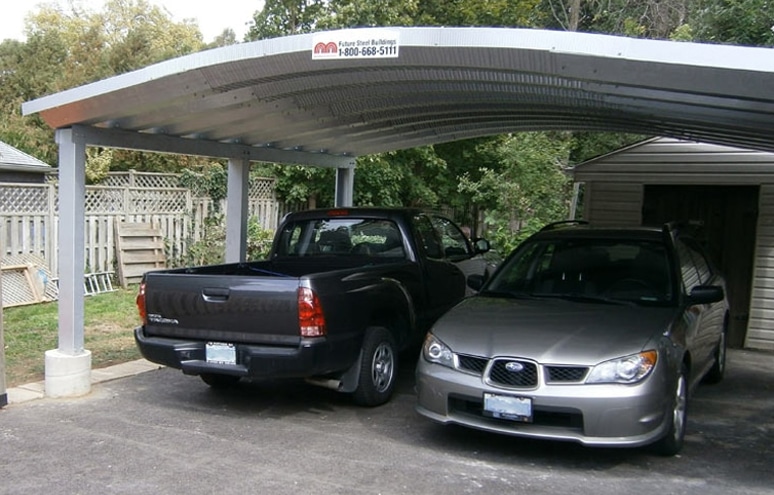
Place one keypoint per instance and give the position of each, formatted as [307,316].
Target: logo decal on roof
[355,44]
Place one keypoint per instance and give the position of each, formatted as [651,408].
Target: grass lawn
[30,331]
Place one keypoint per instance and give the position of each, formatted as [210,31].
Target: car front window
[605,270]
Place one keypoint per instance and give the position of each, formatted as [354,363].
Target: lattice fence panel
[261,188]
[37,267]
[157,200]
[142,179]
[19,198]
[101,199]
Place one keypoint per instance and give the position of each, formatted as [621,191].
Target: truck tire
[219,382]
[378,366]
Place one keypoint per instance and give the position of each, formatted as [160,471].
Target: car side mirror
[481,246]
[706,294]
[476,281]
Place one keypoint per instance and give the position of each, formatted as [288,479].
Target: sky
[212,16]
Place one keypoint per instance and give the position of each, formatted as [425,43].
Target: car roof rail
[562,223]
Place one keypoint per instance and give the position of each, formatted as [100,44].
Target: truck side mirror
[481,246]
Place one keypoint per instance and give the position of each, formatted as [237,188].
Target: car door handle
[215,294]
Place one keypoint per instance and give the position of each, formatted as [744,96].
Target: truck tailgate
[226,308]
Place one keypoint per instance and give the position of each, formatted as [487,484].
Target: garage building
[724,194]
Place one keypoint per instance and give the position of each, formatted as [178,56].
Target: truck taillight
[310,314]
[141,304]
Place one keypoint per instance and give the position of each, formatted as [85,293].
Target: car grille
[527,377]
[565,373]
[513,373]
[472,364]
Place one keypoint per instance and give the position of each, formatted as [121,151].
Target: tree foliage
[68,48]
[285,17]
[740,22]
[528,189]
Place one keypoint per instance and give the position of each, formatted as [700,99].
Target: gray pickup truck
[341,294]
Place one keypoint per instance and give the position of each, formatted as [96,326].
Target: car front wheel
[672,442]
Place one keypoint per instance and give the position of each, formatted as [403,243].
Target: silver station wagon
[591,335]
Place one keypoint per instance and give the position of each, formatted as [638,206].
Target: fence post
[52,253]
[3,393]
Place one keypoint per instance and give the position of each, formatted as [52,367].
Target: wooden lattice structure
[29,219]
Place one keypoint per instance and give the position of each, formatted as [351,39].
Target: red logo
[323,48]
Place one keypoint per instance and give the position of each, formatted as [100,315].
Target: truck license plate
[507,407]
[220,352]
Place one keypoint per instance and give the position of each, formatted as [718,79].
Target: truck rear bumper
[310,358]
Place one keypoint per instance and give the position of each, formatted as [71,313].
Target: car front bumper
[596,415]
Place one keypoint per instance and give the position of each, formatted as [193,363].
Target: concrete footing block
[68,375]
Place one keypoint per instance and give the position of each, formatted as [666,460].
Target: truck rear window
[342,237]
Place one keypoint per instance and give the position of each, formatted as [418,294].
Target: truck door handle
[215,294]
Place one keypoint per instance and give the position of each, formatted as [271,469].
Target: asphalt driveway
[161,432]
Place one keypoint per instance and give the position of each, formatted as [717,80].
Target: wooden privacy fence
[29,220]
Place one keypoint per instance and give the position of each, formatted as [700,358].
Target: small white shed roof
[15,159]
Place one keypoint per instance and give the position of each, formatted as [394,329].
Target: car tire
[671,443]
[378,367]
[718,370]
[219,382]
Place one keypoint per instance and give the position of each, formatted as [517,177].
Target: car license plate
[220,352]
[507,407]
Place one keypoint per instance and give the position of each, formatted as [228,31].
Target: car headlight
[437,352]
[628,369]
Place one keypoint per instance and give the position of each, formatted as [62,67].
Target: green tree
[530,189]
[285,17]
[638,18]
[739,22]
[68,48]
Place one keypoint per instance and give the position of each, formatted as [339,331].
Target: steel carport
[271,100]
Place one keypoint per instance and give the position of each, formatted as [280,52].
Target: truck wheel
[219,381]
[379,361]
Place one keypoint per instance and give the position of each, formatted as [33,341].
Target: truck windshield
[342,237]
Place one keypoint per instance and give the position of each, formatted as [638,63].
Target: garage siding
[760,328]
[613,203]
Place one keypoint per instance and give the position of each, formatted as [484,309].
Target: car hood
[551,330]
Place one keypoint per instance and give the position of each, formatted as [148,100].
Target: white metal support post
[68,368]
[236,209]
[345,185]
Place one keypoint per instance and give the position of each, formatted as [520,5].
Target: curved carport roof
[437,85]
[325,98]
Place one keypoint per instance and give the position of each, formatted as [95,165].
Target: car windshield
[587,270]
